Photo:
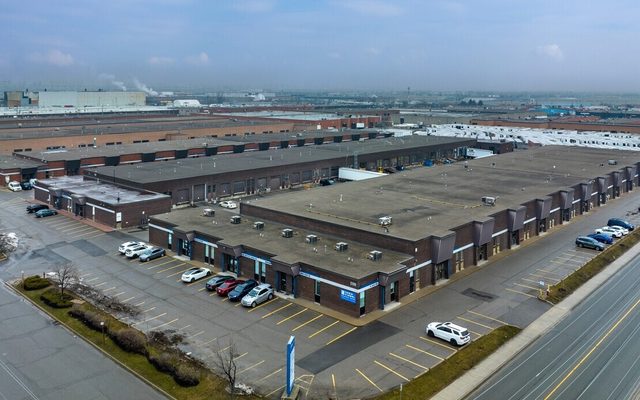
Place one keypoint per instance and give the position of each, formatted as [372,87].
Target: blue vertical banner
[291,362]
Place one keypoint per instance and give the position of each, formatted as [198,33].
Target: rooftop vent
[375,255]
[311,239]
[613,162]
[385,221]
[342,246]
[209,212]
[235,219]
[287,233]
[489,201]
[259,225]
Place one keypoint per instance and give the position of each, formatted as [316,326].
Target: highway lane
[594,353]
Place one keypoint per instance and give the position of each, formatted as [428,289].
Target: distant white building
[91,99]
[187,103]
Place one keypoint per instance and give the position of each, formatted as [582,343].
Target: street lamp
[102,328]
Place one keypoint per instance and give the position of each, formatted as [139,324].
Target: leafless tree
[226,362]
[66,275]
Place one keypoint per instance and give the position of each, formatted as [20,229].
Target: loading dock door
[274,182]
[182,196]
[198,192]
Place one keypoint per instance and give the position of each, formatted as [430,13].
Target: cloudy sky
[324,44]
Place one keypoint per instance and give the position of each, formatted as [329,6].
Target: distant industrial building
[71,99]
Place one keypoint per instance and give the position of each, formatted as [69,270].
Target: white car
[257,295]
[194,274]
[135,251]
[452,333]
[616,233]
[127,245]
[228,204]
[14,186]
[622,229]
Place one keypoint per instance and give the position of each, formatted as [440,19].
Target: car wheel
[209,273]
[430,333]
[192,279]
[579,244]
[453,342]
[270,296]
[253,304]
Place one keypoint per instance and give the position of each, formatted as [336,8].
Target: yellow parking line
[204,288]
[474,322]
[241,355]
[368,380]
[487,317]
[91,232]
[409,361]
[76,228]
[323,329]
[390,370]
[161,264]
[438,343]
[271,374]
[526,286]
[341,336]
[548,272]
[305,323]
[251,367]
[274,391]
[58,224]
[276,310]
[196,281]
[425,352]
[522,293]
[263,304]
[551,278]
[95,236]
[170,268]
[179,273]
[291,316]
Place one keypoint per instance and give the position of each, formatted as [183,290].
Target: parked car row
[615,228]
[142,250]
[40,210]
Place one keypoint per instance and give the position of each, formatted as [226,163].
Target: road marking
[85,275]
[333,382]
[586,356]
[425,352]
[97,235]
[368,380]
[323,329]
[242,355]
[119,294]
[487,317]
[170,268]
[165,324]
[548,272]
[309,321]
[527,286]
[204,288]
[263,304]
[184,327]
[438,343]
[537,281]
[291,316]
[150,319]
[180,272]
[100,284]
[58,224]
[238,305]
[161,264]
[139,304]
[275,390]
[474,322]
[148,309]
[522,293]
[196,281]
[214,293]
[409,361]
[195,334]
[271,374]
[276,310]
[92,279]
[111,288]
[341,336]
[208,341]
[251,367]
[83,234]
[77,228]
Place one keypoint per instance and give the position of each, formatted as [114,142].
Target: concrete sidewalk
[483,371]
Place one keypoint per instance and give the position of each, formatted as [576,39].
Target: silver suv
[257,295]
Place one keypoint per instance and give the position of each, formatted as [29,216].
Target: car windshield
[253,292]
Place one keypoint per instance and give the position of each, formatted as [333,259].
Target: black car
[31,208]
[217,280]
[26,185]
[241,290]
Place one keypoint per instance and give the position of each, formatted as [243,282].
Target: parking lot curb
[75,333]
[463,386]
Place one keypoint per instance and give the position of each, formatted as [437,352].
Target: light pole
[102,328]
[22,278]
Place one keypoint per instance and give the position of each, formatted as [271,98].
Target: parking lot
[332,355]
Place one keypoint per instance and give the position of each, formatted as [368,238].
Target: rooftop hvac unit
[312,239]
[384,221]
[259,225]
[287,233]
[489,201]
[342,246]
[208,212]
[375,255]
[613,162]
[236,219]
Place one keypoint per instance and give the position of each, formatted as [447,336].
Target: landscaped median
[443,374]
[572,282]
[153,358]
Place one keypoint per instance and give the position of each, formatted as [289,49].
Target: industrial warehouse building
[360,246]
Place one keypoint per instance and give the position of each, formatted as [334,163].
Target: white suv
[14,186]
[452,333]
[128,245]
[133,252]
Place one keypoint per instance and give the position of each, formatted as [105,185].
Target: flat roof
[10,162]
[433,200]
[351,263]
[101,191]
[205,166]
[297,115]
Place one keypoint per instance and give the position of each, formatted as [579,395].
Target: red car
[224,289]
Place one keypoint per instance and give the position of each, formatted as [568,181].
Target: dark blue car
[602,238]
[241,290]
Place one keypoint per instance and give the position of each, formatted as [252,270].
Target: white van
[14,186]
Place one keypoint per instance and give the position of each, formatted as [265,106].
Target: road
[594,353]
[41,360]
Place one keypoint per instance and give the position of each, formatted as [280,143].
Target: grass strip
[573,281]
[211,386]
[443,374]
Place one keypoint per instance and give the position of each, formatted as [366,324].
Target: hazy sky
[329,45]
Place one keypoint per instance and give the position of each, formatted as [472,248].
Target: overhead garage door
[182,196]
[274,182]
[198,192]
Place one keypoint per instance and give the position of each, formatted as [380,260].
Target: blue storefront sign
[347,295]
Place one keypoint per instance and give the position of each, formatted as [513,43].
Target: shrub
[186,376]
[89,318]
[164,362]
[165,338]
[35,282]
[130,340]
[53,298]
